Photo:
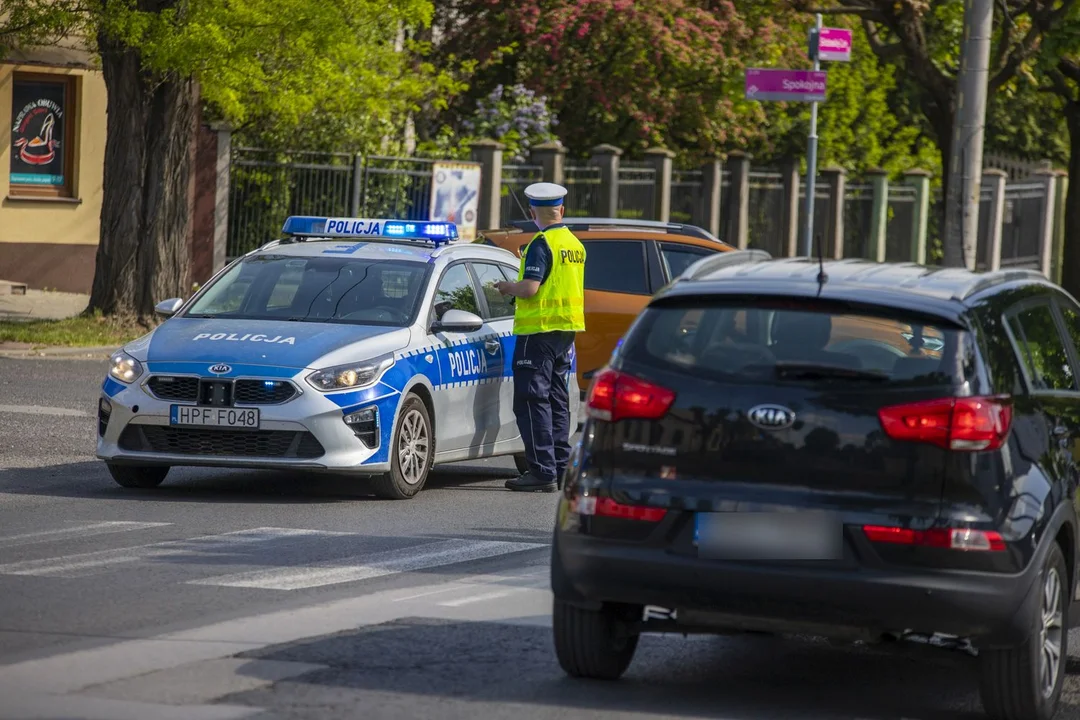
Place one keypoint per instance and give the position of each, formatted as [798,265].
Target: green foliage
[858,128]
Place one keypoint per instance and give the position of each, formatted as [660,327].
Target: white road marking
[469,599]
[363,567]
[206,546]
[42,410]
[78,531]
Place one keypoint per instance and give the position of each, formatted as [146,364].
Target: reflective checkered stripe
[440,369]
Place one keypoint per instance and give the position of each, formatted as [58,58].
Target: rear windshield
[317,289]
[782,340]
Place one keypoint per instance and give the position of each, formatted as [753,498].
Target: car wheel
[521,463]
[592,643]
[411,454]
[138,476]
[1024,682]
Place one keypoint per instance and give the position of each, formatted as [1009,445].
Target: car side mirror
[461,321]
[168,308]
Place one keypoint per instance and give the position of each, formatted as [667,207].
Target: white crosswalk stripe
[373,565]
[77,532]
[205,547]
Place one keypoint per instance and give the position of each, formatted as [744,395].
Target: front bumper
[993,608]
[306,432]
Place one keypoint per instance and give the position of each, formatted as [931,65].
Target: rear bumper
[995,609]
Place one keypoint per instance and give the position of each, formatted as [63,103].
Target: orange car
[626,262]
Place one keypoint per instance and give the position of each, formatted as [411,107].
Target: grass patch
[79,331]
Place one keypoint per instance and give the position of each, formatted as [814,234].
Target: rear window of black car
[787,339]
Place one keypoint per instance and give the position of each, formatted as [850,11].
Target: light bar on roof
[372,228]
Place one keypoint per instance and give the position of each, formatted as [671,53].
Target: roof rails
[988,280]
[711,263]
[590,223]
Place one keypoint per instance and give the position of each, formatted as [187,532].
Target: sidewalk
[44,305]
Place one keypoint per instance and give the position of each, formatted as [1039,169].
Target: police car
[372,347]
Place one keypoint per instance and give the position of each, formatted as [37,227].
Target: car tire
[412,440]
[1015,683]
[138,476]
[593,644]
[521,463]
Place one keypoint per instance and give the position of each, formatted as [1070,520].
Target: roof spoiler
[712,263]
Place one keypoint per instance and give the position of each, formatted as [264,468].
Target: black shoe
[527,482]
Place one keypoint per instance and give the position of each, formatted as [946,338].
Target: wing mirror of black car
[168,308]
[461,321]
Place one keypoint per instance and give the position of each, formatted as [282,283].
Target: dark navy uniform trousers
[542,400]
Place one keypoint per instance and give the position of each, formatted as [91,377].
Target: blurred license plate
[768,536]
[242,419]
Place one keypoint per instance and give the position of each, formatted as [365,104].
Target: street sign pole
[811,150]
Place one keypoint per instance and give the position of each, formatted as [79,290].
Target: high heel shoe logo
[40,149]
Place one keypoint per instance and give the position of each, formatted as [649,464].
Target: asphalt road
[228,594]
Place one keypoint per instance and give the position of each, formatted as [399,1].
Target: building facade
[52,155]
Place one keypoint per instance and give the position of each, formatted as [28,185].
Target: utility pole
[966,155]
[811,149]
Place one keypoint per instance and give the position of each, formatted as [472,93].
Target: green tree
[632,73]
[922,39]
[281,65]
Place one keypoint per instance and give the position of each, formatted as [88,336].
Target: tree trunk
[144,254]
[1070,270]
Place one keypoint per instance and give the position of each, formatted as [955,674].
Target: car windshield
[316,289]
[790,341]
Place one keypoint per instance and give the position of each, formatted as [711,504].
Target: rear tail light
[950,538]
[606,507]
[966,423]
[616,396]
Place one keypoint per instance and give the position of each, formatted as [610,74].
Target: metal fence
[766,221]
[1021,225]
[637,192]
[822,222]
[268,186]
[515,178]
[582,191]
[900,226]
[688,201]
[858,215]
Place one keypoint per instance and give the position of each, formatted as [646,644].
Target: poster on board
[455,196]
[37,128]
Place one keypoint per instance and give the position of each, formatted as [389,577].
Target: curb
[22,351]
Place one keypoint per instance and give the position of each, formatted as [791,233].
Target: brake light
[966,423]
[617,396]
[606,507]
[950,538]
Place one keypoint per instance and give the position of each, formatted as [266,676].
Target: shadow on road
[438,668]
[198,485]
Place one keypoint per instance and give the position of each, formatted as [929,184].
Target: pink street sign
[766,84]
[834,44]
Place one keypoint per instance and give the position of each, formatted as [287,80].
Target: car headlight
[353,375]
[125,368]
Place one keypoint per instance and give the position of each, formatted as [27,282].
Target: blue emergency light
[438,233]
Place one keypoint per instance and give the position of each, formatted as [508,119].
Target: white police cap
[545,194]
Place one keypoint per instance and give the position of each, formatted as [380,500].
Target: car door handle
[492,346]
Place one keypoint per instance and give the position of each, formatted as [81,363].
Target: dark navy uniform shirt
[538,259]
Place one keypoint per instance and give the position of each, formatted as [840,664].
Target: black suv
[858,450]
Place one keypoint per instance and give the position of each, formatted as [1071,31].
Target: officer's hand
[503,286]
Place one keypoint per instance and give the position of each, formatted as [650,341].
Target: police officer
[549,310]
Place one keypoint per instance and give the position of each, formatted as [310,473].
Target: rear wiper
[819,370]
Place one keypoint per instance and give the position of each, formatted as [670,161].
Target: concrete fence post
[994,180]
[551,156]
[738,219]
[836,180]
[1058,260]
[789,169]
[221,200]
[920,216]
[489,153]
[1048,178]
[661,159]
[606,157]
[879,214]
[712,182]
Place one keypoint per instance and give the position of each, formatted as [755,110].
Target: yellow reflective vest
[560,302]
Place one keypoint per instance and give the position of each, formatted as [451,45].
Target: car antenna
[822,277]
[521,207]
